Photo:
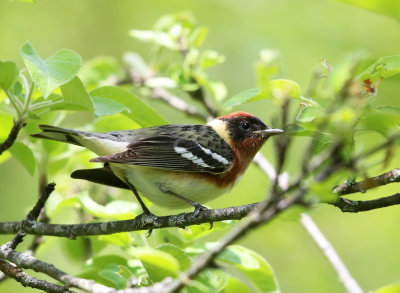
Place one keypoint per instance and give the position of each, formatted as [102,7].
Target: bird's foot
[199,208]
[145,220]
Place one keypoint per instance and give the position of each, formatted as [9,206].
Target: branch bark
[23,260]
[18,125]
[368,183]
[139,223]
[181,220]
[27,281]
[355,206]
[31,216]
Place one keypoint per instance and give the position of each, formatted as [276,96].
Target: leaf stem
[28,96]
[16,104]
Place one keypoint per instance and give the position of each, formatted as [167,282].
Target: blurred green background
[305,32]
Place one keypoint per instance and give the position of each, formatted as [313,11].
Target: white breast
[151,181]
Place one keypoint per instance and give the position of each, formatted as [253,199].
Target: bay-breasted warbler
[172,165]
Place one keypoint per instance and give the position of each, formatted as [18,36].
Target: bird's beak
[269,132]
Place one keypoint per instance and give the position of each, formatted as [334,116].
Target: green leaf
[249,263]
[244,97]
[209,281]
[308,113]
[266,68]
[8,74]
[136,109]
[178,253]
[75,96]
[284,88]
[158,264]
[198,36]
[117,274]
[385,122]
[217,88]
[324,141]
[74,250]
[53,72]
[394,288]
[94,266]
[279,89]
[297,130]
[389,109]
[386,7]
[120,210]
[25,155]
[104,106]
[160,38]
[382,68]
[102,261]
[210,58]
[234,285]
[260,275]
[343,72]
[122,239]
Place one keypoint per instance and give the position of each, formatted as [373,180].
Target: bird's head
[243,131]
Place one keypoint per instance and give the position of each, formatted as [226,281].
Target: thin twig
[26,261]
[18,125]
[355,206]
[368,183]
[177,103]
[27,281]
[31,216]
[348,281]
[38,239]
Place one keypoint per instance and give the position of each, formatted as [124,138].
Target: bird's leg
[146,216]
[197,207]
[133,189]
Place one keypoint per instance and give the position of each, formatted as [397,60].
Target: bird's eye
[244,125]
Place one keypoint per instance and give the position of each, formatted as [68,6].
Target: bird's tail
[59,134]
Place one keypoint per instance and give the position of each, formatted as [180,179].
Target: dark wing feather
[161,152]
[103,176]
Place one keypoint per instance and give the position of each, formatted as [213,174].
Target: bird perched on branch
[171,165]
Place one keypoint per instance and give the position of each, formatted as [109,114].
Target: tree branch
[262,214]
[352,187]
[344,275]
[28,281]
[355,206]
[177,103]
[139,223]
[181,220]
[23,260]
[31,216]
[18,125]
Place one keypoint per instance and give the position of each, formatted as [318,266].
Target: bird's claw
[199,208]
[146,219]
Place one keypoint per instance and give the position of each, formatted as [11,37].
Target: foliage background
[304,32]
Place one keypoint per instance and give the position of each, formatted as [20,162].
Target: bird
[176,165]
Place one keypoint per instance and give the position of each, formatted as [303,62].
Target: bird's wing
[103,176]
[169,152]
